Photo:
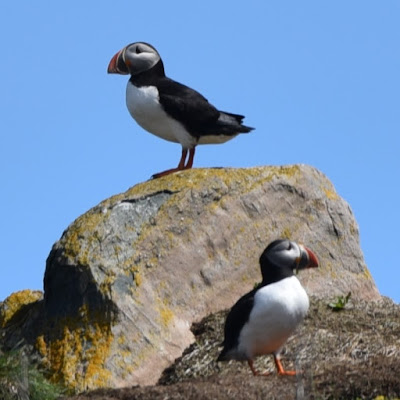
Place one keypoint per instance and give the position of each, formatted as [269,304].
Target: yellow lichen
[41,345]
[106,284]
[121,339]
[330,194]
[289,170]
[97,354]
[81,239]
[81,235]
[163,305]
[13,303]
[197,178]
[78,352]
[286,234]
[367,274]
[166,316]
[138,279]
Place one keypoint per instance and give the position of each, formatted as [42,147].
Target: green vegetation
[340,303]
[18,380]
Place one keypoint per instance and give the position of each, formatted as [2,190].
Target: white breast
[278,309]
[143,105]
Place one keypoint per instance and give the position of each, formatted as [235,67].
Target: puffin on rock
[262,320]
[168,109]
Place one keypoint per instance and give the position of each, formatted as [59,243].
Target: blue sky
[319,80]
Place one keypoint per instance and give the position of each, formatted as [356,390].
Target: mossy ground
[351,354]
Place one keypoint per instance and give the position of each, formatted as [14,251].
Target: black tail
[234,120]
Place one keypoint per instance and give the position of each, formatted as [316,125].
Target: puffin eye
[138,51]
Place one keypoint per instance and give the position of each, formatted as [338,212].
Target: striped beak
[307,259]
[117,64]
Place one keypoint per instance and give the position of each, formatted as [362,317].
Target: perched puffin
[262,320]
[168,109]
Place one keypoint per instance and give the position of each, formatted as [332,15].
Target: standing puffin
[168,109]
[263,319]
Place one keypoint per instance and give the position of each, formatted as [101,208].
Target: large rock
[127,279]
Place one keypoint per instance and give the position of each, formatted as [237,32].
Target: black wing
[186,105]
[195,112]
[236,319]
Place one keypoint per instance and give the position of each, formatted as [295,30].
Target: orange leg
[191,158]
[254,371]
[280,369]
[181,166]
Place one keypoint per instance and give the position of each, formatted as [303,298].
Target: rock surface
[127,279]
[350,354]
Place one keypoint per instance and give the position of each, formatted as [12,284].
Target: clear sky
[320,81]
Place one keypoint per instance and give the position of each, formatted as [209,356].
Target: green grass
[340,302]
[19,380]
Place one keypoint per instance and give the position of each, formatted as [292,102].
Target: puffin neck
[272,273]
[151,75]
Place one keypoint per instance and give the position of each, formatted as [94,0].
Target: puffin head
[134,59]
[282,257]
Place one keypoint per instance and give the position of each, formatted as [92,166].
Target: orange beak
[117,64]
[312,258]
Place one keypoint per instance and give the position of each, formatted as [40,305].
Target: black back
[188,106]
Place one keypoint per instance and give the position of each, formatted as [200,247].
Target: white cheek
[294,253]
[145,59]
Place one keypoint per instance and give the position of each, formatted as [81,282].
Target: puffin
[262,320]
[169,109]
